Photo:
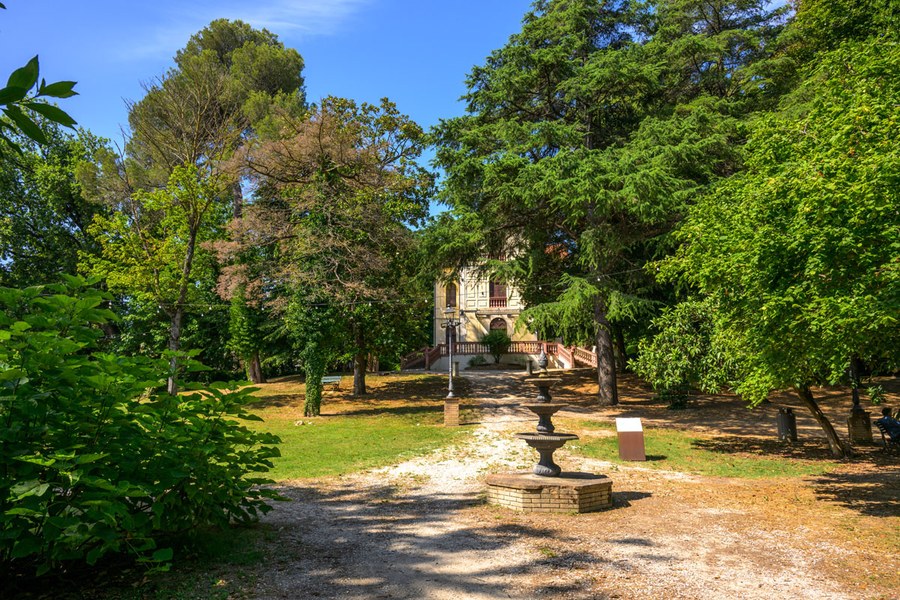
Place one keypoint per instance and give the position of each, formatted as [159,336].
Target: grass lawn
[675,450]
[323,446]
[400,418]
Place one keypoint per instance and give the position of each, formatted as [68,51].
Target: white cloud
[176,23]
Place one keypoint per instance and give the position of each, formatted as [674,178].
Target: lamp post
[450,324]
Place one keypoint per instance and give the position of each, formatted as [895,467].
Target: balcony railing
[497,302]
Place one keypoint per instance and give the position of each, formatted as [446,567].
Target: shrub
[687,350]
[95,457]
[477,361]
[498,343]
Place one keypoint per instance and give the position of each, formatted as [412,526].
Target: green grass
[339,445]
[681,451]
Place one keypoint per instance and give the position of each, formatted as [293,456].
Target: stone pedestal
[568,493]
[859,427]
[451,412]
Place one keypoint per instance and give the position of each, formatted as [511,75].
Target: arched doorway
[499,324]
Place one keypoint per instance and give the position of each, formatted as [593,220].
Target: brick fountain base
[567,493]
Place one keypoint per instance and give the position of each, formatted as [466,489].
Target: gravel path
[420,530]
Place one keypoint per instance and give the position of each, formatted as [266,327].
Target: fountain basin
[544,410]
[546,444]
[543,385]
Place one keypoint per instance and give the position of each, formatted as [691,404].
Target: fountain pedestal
[546,488]
[546,444]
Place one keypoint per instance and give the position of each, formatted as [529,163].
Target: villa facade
[481,305]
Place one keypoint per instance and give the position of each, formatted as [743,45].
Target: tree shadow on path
[382,542]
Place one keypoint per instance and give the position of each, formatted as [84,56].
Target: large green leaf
[59,89]
[12,94]
[24,122]
[57,115]
[25,77]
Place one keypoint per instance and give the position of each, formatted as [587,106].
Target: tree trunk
[178,313]
[855,368]
[173,345]
[254,369]
[314,367]
[607,394]
[237,200]
[621,356]
[360,361]
[834,442]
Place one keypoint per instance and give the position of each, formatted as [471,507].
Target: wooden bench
[332,381]
[889,442]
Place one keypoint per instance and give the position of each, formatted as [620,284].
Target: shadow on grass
[430,389]
[814,450]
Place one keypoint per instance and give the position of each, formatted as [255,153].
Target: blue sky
[417,53]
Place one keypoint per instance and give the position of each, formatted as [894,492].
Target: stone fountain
[547,488]
[545,441]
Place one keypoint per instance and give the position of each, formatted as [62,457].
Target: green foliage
[876,394]
[43,214]
[800,252]
[586,137]
[477,361]
[338,192]
[243,329]
[149,249]
[570,316]
[314,365]
[21,102]
[688,349]
[498,343]
[93,457]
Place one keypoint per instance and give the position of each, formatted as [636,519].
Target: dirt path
[420,530]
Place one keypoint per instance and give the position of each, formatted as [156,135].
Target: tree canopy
[586,137]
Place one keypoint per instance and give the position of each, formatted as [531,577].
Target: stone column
[451,412]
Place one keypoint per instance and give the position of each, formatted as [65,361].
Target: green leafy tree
[318,334]
[585,138]
[801,250]
[94,457]
[150,247]
[192,119]
[689,348]
[337,193]
[43,214]
[244,324]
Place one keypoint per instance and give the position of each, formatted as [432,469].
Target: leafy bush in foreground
[94,456]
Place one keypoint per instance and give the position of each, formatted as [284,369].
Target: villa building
[481,305]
